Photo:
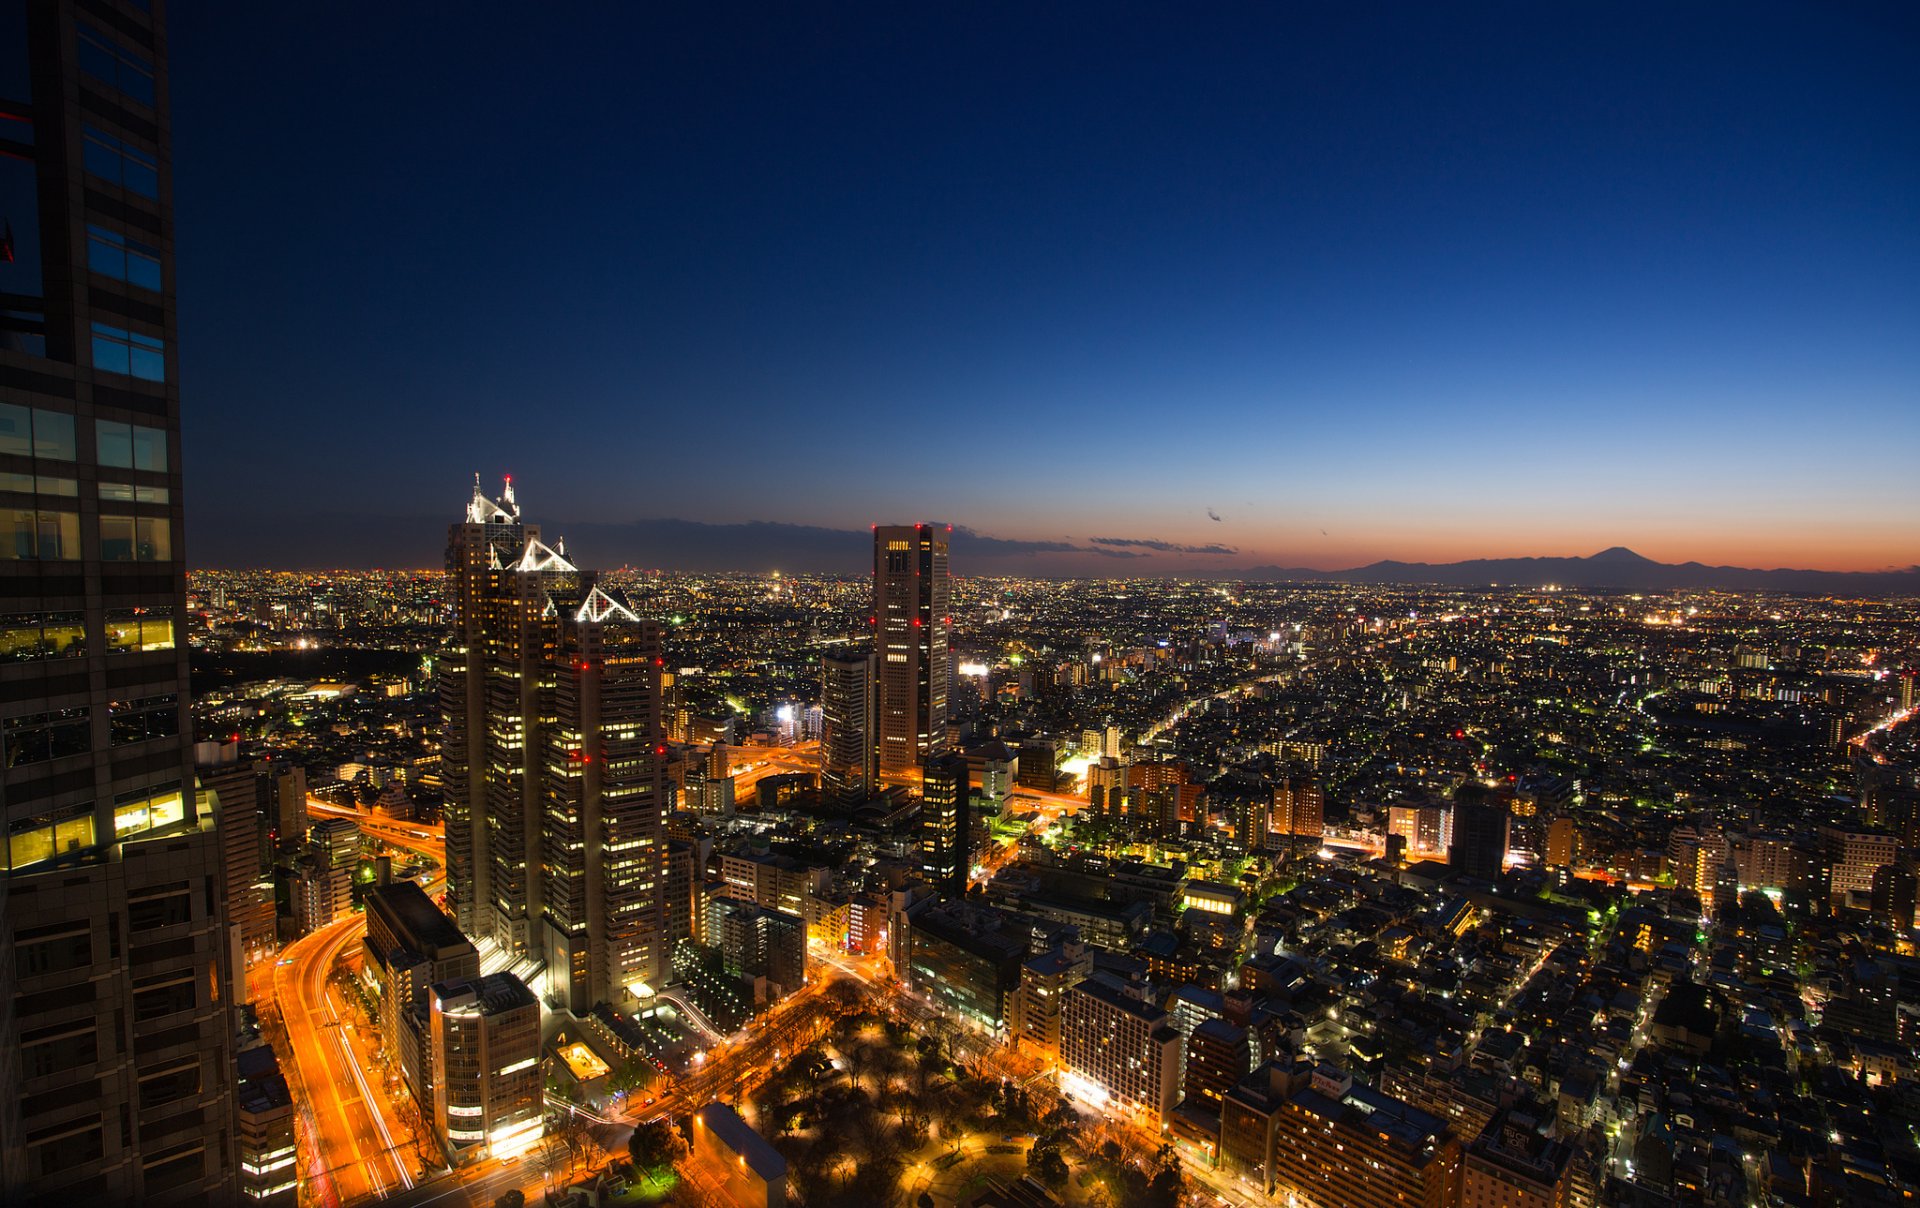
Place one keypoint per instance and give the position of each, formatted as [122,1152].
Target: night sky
[1364,281]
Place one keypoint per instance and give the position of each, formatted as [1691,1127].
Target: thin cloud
[1164,547]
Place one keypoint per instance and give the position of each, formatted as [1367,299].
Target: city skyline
[1434,287]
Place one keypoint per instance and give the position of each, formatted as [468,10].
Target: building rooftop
[731,1131]
[489,995]
[414,916]
[1111,994]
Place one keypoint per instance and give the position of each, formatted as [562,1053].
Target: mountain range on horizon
[343,541]
[1616,568]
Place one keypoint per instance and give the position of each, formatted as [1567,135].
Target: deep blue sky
[1417,281]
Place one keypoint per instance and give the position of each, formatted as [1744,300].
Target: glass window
[139,720]
[153,539]
[130,446]
[118,162]
[31,840]
[112,254]
[149,447]
[59,534]
[116,539]
[114,445]
[65,487]
[19,637]
[117,350]
[30,635]
[42,736]
[64,635]
[113,64]
[27,533]
[116,492]
[21,483]
[150,810]
[16,429]
[53,436]
[154,495]
[18,534]
[133,630]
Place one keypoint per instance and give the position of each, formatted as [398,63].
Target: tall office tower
[116,1052]
[946,824]
[553,750]
[912,642]
[604,843]
[847,770]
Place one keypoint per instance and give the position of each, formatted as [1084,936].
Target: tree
[632,1075]
[653,1145]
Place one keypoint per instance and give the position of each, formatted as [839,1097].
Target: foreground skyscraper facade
[912,642]
[553,748]
[115,1012]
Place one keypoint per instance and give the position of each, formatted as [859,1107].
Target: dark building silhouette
[1479,836]
[912,643]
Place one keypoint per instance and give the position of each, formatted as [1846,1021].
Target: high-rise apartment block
[116,1051]
[553,752]
[912,642]
[1122,1049]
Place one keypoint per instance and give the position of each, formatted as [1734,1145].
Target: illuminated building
[1563,843]
[290,796]
[912,643]
[264,1132]
[1341,1144]
[1042,997]
[1428,829]
[410,945]
[761,943]
[1120,1048]
[230,789]
[553,750]
[1855,854]
[1512,1164]
[1211,898]
[485,1044]
[679,913]
[752,1172]
[1217,1057]
[116,1051]
[323,877]
[1107,786]
[1299,806]
[964,964]
[946,824]
[847,749]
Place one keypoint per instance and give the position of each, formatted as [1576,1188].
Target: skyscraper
[912,642]
[116,1052]
[847,770]
[553,751]
[946,823]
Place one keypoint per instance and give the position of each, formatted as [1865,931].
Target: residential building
[1120,1048]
